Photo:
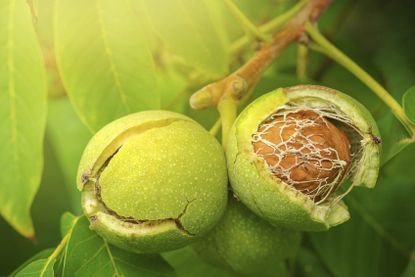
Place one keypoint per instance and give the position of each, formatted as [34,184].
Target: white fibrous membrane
[308,148]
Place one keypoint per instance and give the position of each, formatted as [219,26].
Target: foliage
[104,59]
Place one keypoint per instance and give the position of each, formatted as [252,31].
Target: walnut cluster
[304,150]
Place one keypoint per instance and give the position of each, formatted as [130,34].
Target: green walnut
[245,244]
[295,152]
[153,181]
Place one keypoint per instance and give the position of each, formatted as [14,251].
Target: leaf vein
[109,55]
[91,258]
[11,80]
[111,258]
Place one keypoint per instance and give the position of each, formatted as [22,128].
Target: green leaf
[44,30]
[41,255]
[87,254]
[188,30]
[38,268]
[188,264]
[44,22]
[378,239]
[173,90]
[394,64]
[399,168]
[104,60]
[22,114]
[408,102]
[339,78]
[410,269]
[393,134]
[50,203]
[45,266]
[67,222]
[68,137]
[308,264]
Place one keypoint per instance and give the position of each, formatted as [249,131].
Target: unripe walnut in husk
[245,244]
[153,181]
[290,151]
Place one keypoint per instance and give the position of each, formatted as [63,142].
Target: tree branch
[239,83]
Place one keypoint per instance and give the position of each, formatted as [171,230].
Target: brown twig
[243,80]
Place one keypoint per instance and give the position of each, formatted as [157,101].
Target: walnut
[304,150]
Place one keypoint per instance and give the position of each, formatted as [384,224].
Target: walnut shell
[258,174]
[304,150]
[153,181]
